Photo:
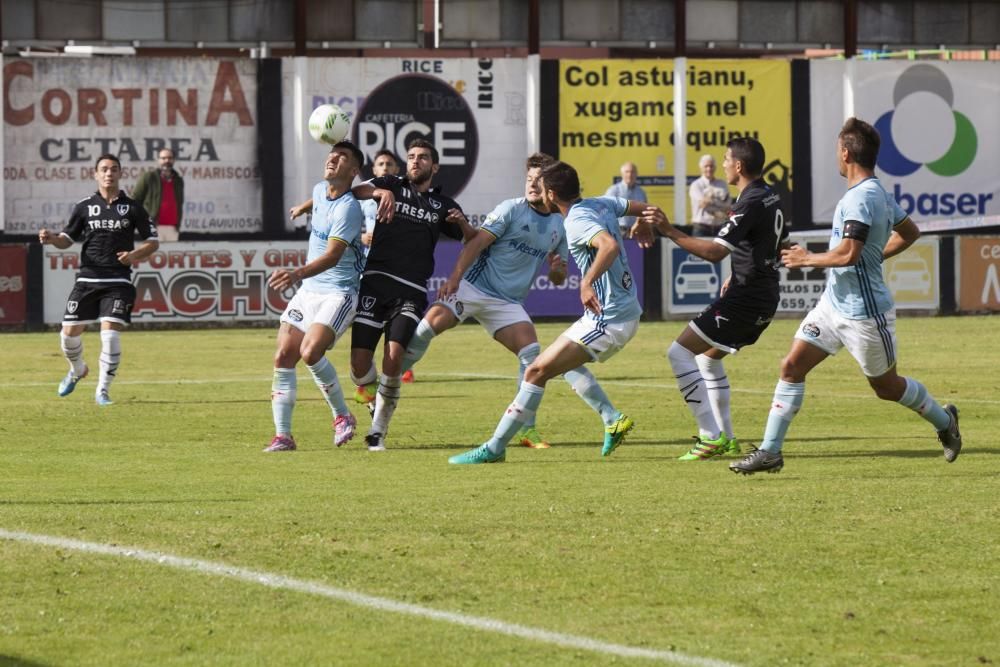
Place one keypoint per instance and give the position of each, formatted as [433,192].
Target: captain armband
[856,230]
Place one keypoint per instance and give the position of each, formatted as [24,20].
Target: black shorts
[386,306]
[90,302]
[734,322]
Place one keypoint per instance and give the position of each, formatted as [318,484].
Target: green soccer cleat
[733,448]
[480,454]
[614,434]
[705,449]
[530,437]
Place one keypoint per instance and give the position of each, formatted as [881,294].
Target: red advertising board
[13,283]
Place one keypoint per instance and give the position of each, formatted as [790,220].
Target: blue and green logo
[961,153]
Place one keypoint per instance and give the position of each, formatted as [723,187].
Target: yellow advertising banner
[912,276]
[979,274]
[617,111]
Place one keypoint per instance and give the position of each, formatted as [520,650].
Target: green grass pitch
[868,549]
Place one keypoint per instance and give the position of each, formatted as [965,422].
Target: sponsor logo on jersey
[367,302]
[627,280]
[295,315]
[435,204]
[71,306]
[122,209]
[810,329]
[412,106]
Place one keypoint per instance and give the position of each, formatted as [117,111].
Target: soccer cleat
[758,460]
[281,443]
[480,454]
[68,383]
[614,434]
[733,447]
[375,442]
[102,398]
[343,428]
[408,377]
[705,449]
[530,437]
[951,438]
[365,393]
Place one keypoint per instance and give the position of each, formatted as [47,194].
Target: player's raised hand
[386,204]
[456,217]
[794,257]
[124,257]
[282,279]
[588,297]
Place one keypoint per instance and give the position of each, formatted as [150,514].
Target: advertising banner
[544,299]
[617,111]
[979,274]
[472,110]
[61,114]
[13,282]
[913,277]
[184,282]
[940,139]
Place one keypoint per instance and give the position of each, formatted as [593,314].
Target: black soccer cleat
[375,442]
[758,460]
[951,438]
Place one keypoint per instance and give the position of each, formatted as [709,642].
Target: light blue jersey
[339,219]
[506,269]
[615,289]
[859,292]
[369,207]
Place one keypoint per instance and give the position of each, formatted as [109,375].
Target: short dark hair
[386,151]
[861,141]
[561,179]
[750,152]
[539,161]
[108,156]
[359,157]
[423,143]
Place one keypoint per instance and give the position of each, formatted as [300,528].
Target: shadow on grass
[124,502]
[14,661]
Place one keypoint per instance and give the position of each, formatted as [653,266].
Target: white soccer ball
[329,124]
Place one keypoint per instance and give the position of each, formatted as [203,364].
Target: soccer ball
[329,124]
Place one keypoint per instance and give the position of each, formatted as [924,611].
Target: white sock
[283,390]
[325,377]
[111,354]
[367,378]
[418,345]
[385,403]
[72,348]
[717,384]
[692,388]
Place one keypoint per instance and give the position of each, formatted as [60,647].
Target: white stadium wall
[474,110]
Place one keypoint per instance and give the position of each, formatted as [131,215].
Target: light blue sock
[419,343]
[527,354]
[325,376]
[525,404]
[917,398]
[787,401]
[586,386]
[283,386]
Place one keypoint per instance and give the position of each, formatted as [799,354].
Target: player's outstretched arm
[607,252]
[283,278]
[482,240]
[61,241]
[147,248]
[301,209]
[707,249]
[903,236]
[847,253]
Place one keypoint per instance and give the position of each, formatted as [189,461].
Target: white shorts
[872,341]
[493,313]
[601,339]
[334,310]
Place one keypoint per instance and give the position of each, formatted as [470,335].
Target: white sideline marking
[486,376]
[362,600]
